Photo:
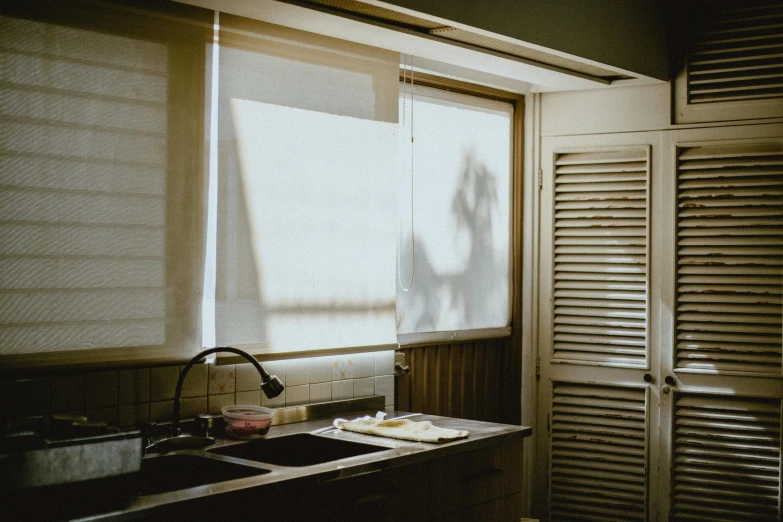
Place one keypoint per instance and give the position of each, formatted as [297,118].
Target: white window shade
[91,170]
[462,165]
[306,200]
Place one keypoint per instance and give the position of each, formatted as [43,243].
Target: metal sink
[302,449]
[174,472]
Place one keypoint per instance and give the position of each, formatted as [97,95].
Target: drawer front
[475,477]
[506,509]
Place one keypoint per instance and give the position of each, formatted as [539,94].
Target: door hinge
[538,367]
[540,179]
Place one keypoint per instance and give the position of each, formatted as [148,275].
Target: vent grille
[600,256]
[730,257]
[599,453]
[382,14]
[737,54]
[726,459]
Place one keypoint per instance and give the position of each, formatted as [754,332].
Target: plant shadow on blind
[468,295]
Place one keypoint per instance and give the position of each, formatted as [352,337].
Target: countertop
[399,453]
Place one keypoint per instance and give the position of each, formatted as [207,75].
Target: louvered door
[726,458]
[600,256]
[733,61]
[598,453]
[721,401]
[730,257]
[594,323]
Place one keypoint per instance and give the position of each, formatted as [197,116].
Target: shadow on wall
[463,297]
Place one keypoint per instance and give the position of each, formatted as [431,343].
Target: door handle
[669,380]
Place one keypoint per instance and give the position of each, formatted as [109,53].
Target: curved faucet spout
[270,384]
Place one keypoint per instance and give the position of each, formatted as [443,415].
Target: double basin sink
[166,473]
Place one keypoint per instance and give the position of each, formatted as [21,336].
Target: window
[458,233]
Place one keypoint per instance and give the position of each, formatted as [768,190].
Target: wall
[626,34]
[127,396]
[476,379]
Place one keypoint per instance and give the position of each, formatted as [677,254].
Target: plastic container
[247,421]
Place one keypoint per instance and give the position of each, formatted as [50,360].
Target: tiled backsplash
[125,397]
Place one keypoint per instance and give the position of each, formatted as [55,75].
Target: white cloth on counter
[403,429]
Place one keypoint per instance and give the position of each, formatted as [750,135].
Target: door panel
[594,342]
[599,452]
[726,460]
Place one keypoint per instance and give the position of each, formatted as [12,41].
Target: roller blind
[458,233]
[730,257]
[600,256]
[306,213]
[86,199]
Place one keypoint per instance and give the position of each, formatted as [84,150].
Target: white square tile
[342,367]
[195,384]
[190,407]
[297,395]
[252,398]
[342,389]
[163,382]
[297,372]
[364,365]
[161,410]
[274,402]
[222,379]
[321,369]
[247,378]
[364,387]
[321,392]
[216,402]
[384,385]
[384,363]
[277,368]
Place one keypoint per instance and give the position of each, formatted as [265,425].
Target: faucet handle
[204,424]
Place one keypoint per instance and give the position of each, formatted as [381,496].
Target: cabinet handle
[648,377]
[481,475]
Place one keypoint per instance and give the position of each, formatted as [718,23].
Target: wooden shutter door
[594,405]
[723,407]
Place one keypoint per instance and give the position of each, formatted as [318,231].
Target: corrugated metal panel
[730,257]
[598,453]
[600,257]
[737,54]
[726,459]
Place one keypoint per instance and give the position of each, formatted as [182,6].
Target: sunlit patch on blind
[306,202]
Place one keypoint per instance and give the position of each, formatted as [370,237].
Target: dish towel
[404,429]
